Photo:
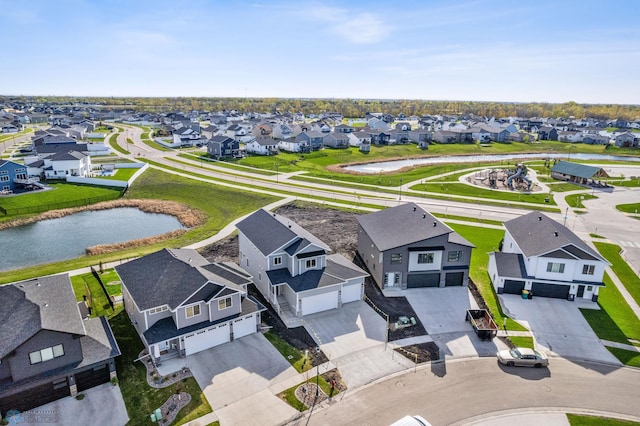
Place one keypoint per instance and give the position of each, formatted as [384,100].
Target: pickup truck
[483,324]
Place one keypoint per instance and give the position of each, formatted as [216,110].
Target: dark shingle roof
[269,231]
[99,343]
[176,276]
[537,235]
[44,303]
[510,265]
[405,224]
[575,169]
[338,270]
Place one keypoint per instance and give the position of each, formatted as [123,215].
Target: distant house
[570,136]
[236,132]
[67,163]
[626,140]
[336,140]
[359,138]
[406,247]
[576,172]
[181,304]
[281,131]
[262,145]
[544,257]
[223,147]
[343,128]
[547,133]
[49,351]
[313,138]
[294,145]
[593,139]
[292,269]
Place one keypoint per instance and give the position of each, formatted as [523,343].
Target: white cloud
[353,27]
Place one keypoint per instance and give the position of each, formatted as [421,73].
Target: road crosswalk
[629,244]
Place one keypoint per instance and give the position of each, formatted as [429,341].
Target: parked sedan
[523,357]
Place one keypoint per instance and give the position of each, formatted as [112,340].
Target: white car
[411,421]
[523,357]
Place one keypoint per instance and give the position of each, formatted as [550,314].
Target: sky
[585,51]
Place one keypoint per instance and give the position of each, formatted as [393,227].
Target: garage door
[453,279]
[90,378]
[35,397]
[351,293]
[206,339]
[550,290]
[244,326]
[513,287]
[319,303]
[423,280]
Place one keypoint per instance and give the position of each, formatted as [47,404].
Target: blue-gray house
[11,174]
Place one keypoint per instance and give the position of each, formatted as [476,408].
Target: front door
[390,281]
[588,292]
[580,291]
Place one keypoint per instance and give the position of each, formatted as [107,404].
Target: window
[455,256]
[4,178]
[555,267]
[192,311]
[588,269]
[46,354]
[311,263]
[425,258]
[396,257]
[277,260]
[224,303]
[158,309]
[396,278]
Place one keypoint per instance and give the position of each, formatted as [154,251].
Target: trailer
[483,324]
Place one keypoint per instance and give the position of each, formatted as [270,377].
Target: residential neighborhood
[232,320]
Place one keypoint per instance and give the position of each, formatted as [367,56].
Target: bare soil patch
[421,352]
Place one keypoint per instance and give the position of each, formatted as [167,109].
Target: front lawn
[522,341]
[623,271]
[615,321]
[629,208]
[296,357]
[584,420]
[486,240]
[140,398]
[630,358]
[119,174]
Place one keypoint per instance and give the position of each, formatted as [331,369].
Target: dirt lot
[339,230]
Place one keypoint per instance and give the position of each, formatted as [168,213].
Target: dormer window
[311,263]
[277,260]
[224,303]
[192,311]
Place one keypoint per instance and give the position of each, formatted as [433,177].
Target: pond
[67,237]
[391,166]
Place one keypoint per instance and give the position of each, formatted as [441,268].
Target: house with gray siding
[181,304]
[292,268]
[49,350]
[547,259]
[407,247]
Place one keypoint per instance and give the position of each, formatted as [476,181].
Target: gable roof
[170,277]
[405,224]
[575,169]
[538,235]
[269,231]
[44,303]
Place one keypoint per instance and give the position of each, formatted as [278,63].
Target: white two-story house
[540,255]
[181,304]
[292,269]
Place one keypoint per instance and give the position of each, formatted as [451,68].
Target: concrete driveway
[353,338]
[235,378]
[442,313]
[101,405]
[558,326]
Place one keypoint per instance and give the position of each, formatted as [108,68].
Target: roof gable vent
[555,233]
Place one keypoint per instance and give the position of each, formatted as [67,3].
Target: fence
[56,206]
[104,288]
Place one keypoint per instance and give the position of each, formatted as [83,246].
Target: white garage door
[207,338]
[351,293]
[244,326]
[319,303]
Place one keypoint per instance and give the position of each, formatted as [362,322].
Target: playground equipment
[519,176]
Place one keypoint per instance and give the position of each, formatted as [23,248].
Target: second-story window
[396,257]
[277,260]
[192,311]
[425,258]
[588,269]
[224,303]
[311,263]
[555,267]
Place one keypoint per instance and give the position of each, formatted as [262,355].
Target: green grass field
[61,195]
[455,188]
[629,208]
[120,174]
[621,268]
[584,420]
